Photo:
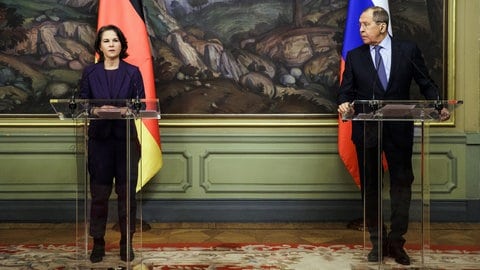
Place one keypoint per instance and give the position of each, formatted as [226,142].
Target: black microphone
[82,94]
[137,105]
[72,104]
[437,103]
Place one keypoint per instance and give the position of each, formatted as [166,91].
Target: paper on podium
[396,110]
[406,111]
[110,113]
[149,114]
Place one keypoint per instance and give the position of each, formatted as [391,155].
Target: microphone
[82,94]
[438,105]
[72,105]
[137,105]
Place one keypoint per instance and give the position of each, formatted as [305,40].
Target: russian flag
[128,16]
[351,40]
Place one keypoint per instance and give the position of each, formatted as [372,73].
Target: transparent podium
[395,192]
[108,138]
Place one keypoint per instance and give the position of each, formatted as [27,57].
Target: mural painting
[211,57]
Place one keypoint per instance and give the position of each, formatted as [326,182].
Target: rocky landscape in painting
[210,56]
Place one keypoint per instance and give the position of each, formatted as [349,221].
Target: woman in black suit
[111,78]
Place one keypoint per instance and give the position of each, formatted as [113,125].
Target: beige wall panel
[271,171]
[38,176]
[174,177]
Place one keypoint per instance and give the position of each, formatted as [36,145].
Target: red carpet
[234,257]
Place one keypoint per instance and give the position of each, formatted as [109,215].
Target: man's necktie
[380,67]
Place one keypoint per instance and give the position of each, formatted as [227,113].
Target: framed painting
[213,59]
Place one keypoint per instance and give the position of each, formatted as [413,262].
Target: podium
[380,124]
[122,118]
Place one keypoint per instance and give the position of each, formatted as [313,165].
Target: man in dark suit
[402,62]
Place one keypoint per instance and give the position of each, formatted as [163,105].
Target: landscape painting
[210,57]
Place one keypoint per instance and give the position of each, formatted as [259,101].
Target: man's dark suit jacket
[361,82]
[128,84]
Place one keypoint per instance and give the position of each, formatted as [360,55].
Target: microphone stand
[437,104]
[137,105]
[72,105]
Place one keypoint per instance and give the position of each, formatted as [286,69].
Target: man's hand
[444,114]
[346,109]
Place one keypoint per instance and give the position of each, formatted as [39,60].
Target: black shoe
[98,252]
[399,254]
[373,255]
[123,253]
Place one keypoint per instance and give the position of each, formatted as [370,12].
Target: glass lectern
[380,122]
[127,117]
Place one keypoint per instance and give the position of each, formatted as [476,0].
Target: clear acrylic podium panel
[132,112]
[373,115]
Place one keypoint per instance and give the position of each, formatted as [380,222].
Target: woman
[111,78]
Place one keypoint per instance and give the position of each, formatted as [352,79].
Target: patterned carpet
[233,257]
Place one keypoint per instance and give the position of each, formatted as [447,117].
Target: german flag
[128,16]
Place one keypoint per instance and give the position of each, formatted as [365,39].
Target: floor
[450,234]
[178,234]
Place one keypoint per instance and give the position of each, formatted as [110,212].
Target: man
[401,62]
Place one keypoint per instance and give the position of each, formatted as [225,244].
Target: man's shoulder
[360,49]
[404,43]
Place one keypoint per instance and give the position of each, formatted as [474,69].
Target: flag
[128,16]
[351,40]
